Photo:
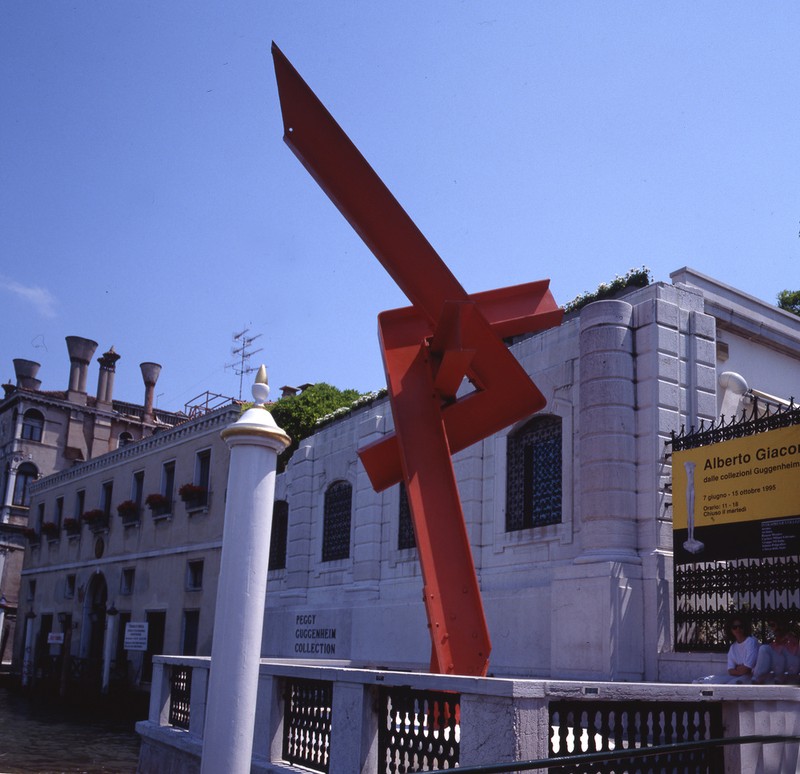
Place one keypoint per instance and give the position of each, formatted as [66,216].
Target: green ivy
[635,278]
[789,301]
[298,414]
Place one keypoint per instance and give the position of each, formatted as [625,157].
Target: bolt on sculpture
[428,350]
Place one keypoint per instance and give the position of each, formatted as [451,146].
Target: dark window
[168,480]
[127,580]
[279,535]
[107,492]
[32,425]
[156,626]
[194,575]
[124,439]
[39,518]
[533,474]
[26,475]
[405,527]
[59,511]
[191,628]
[202,472]
[69,587]
[80,503]
[336,521]
[137,488]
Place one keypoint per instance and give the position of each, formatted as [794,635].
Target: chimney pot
[150,372]
[80,355]
[26,371]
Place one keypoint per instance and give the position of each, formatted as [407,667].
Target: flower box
[193,495]
[72,526]
[96,519]
[158,504]
[31,534]
[128,511]
[50,529]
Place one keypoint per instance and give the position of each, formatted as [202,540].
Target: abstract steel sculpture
[428,350]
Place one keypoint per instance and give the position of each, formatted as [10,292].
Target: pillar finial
[260,388]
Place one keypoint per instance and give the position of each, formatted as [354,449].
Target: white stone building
[44,431]
[575,570]
[154,560]
[568,512]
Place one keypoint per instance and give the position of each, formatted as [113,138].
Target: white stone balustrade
[502,720]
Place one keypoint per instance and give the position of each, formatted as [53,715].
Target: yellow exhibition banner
[739,497]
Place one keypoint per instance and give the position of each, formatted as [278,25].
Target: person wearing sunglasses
[742,654]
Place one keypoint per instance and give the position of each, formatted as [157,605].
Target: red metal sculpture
[428,349]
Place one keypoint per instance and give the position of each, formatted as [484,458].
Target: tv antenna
[242,348]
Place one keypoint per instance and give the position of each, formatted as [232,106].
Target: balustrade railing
[344,721]
[581,727]
[417,730]
[307,723]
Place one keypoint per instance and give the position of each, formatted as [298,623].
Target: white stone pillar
[108,645]
[255,441]
[27,655]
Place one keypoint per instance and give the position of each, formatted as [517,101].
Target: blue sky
[147,200]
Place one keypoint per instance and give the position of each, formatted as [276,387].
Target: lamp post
[255,442]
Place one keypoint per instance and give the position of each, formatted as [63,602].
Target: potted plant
[50,529]
[193,495]
[31,534]
[128,511]
[96,519]
[158,504]
[72,526]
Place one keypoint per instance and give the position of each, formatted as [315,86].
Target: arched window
[32,425]
[26,475]
[278,539]
[533,474]
[336,521]
[124,439]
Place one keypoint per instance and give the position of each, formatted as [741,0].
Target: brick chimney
[105,379]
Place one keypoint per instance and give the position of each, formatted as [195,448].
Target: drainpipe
[255,442]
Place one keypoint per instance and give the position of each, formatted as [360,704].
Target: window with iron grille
[533,474]
[405,526]
[336,521]
[279,536]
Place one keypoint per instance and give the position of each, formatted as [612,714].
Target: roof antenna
[242,344]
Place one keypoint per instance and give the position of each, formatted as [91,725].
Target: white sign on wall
[136,635]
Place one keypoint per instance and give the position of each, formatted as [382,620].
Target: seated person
[791,656]
[771,662]
[742,655]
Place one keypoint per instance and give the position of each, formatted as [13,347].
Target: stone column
[598,619]
[607,433]
[255,442]
[108,645]
[27,654]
